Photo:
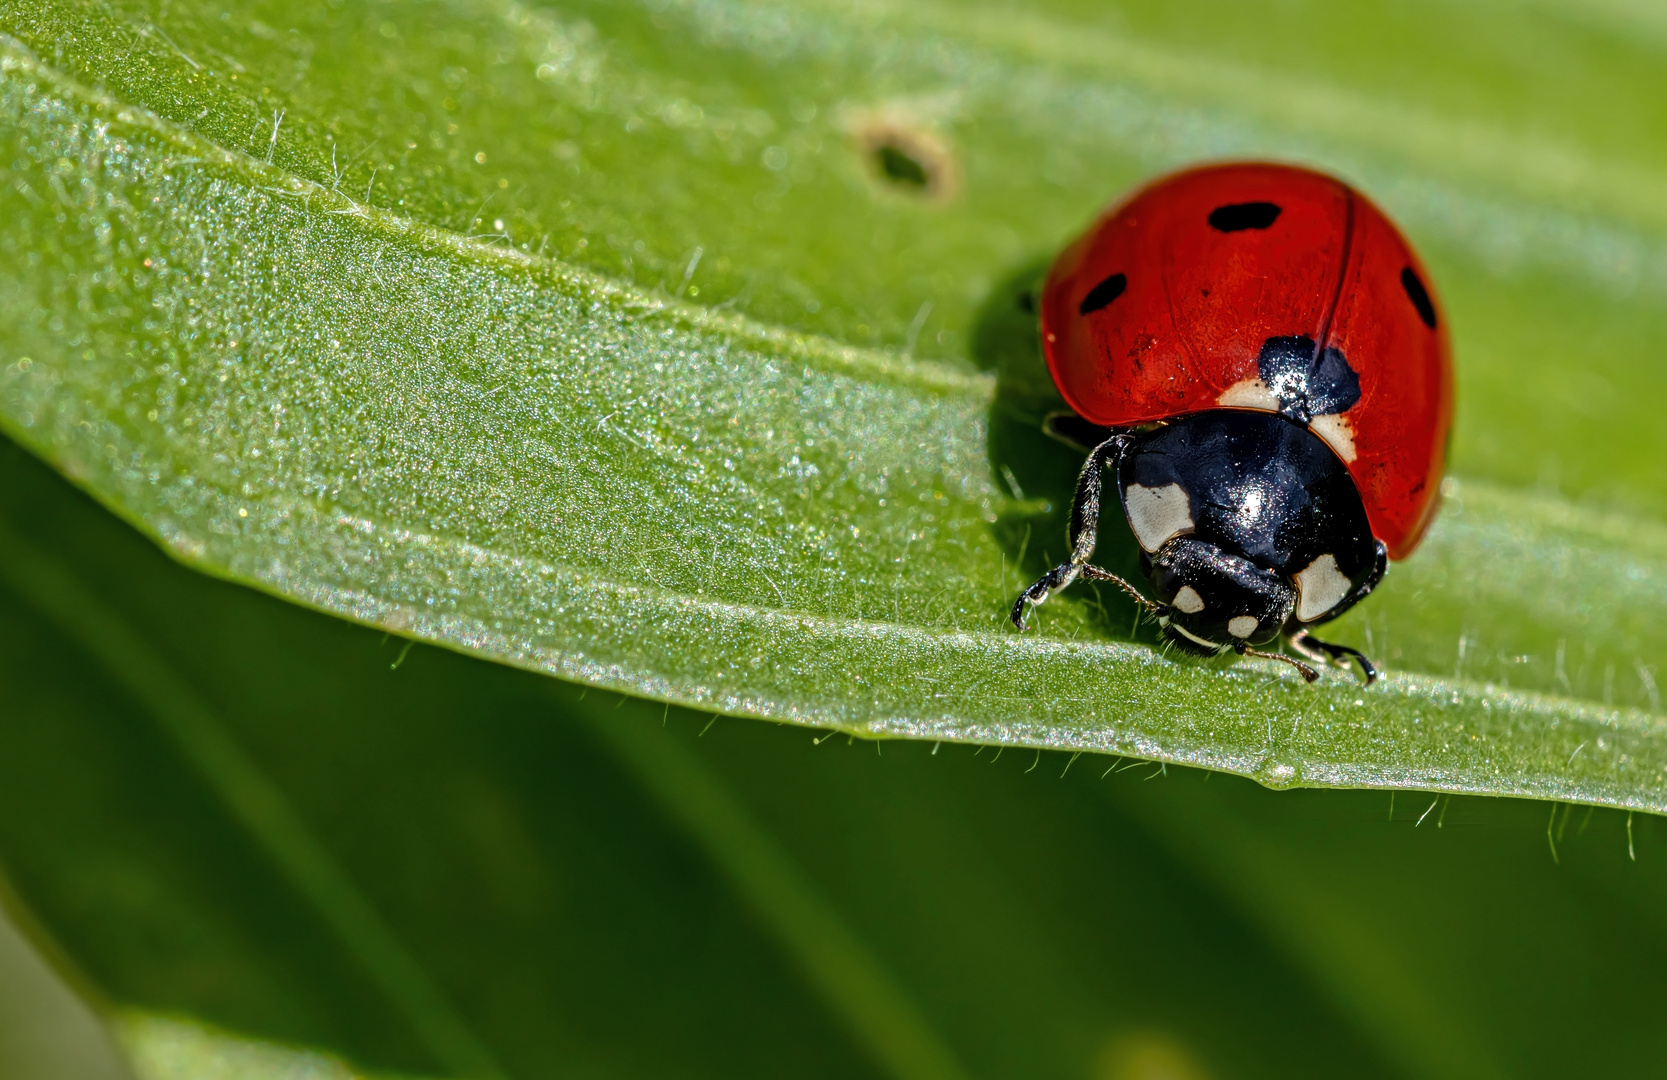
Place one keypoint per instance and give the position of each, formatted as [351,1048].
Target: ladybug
[1254,351]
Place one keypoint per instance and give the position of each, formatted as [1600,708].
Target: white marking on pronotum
[1336,431]
[1241,626]
[1320,587]
[1156,514]
[1188,600]
[1249,394]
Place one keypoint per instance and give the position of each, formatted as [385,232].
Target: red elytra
[1198,303]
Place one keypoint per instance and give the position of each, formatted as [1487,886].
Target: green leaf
[469,402]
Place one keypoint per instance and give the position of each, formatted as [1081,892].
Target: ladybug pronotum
[1255,354]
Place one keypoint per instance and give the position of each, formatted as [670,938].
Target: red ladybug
[1260,358]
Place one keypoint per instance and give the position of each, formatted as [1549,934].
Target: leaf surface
[477,400]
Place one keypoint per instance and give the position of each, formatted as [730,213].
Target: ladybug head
[1216,601]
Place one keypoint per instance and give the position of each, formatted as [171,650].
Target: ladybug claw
[1057,578]
[1325,652]
[1018,612]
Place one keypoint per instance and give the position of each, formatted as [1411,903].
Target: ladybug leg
[1085,521]
[1325,652]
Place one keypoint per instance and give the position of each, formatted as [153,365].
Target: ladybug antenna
[1094,573]
[1339,654]
[1308,673]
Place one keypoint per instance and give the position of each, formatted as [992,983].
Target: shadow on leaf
[1038,471]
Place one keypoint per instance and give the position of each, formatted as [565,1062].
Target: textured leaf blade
[448,440]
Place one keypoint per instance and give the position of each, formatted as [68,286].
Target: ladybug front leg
[1085,521]
[1326,652]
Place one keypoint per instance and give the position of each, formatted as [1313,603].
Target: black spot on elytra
[1237,217]
[1102,294]
[1308,381]
[1419,296]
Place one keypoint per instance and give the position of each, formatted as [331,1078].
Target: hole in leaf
[907,159]
[897,166]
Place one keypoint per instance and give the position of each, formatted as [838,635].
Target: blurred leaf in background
[47,1031]
[681,349]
